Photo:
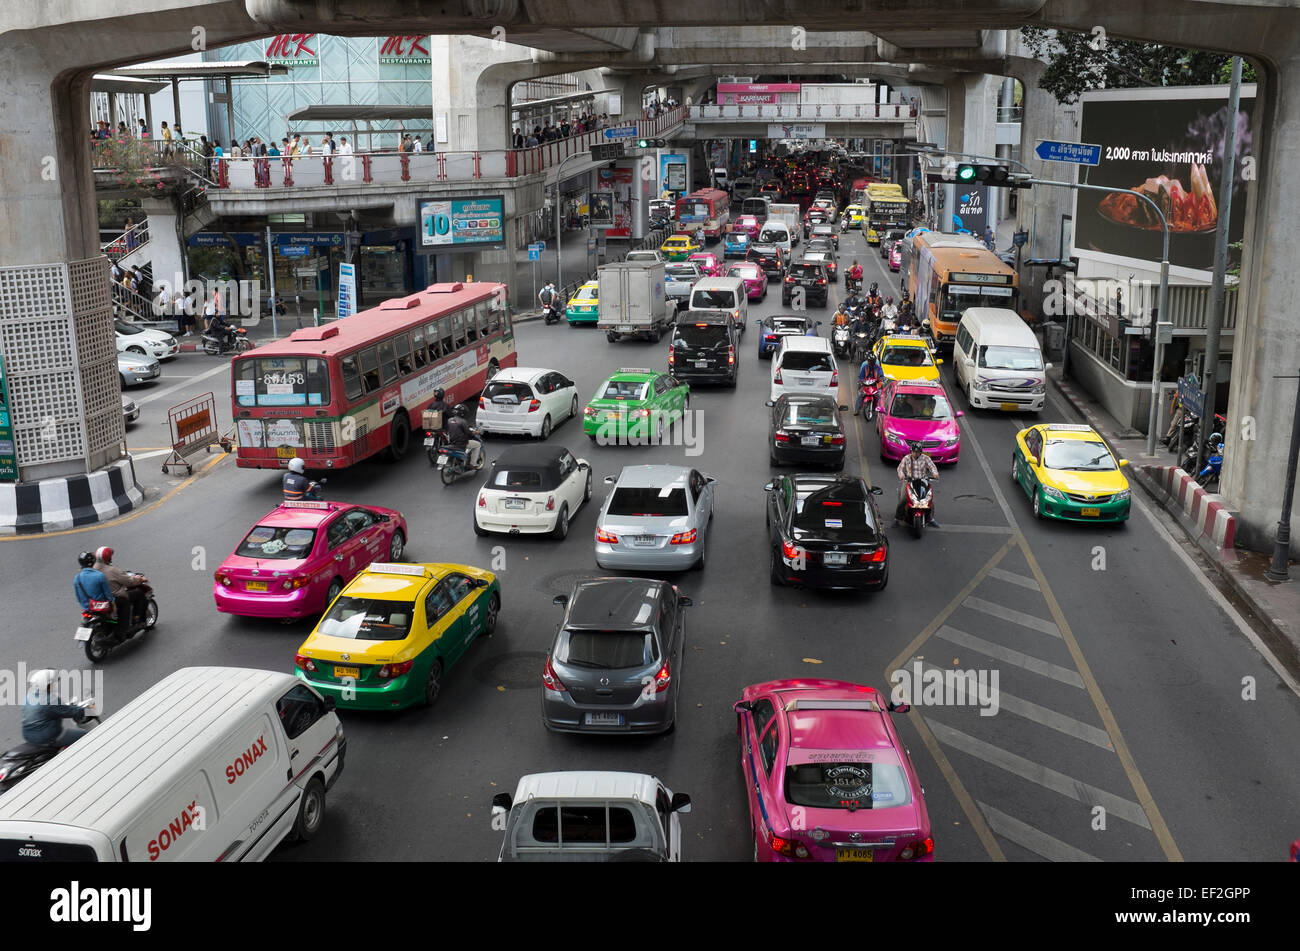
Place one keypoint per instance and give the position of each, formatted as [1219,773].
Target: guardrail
[826,111]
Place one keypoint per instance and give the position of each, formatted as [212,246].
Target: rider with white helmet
[44,712]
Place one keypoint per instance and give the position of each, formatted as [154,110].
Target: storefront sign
[224,239]
[739,94]
[291,49]
[815,130]
[317,239]
[8,452]
[403,50]
[448,223]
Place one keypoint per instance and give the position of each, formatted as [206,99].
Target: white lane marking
[969,433]
[167,391]
[977,529]
[149,455]
[1034,840]
[1012,615]
[1011,656]
[1012,578]
[1044,776]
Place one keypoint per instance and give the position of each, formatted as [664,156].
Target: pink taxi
[709,263]
[747,224]
[294,562]
[827,777]
[755,279]
[917,410]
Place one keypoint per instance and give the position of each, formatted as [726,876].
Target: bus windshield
[958,297]
[282,381]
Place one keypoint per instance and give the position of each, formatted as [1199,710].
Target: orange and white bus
[335,394]
[947,273]
[709,207]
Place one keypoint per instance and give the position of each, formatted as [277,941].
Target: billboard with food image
[1167,144]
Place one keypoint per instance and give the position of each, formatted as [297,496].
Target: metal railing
[128,242]
[1010,113]
[826,111]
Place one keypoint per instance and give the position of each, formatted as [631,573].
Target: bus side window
[246,371]
[419,348]
[387,361]
[404,364]
[370,369]
[471,323]
[435,348]
[505,322]
[444,324]
[351,377]
[493,318]
[457,331]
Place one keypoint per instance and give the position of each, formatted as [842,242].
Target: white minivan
[777,233]
[998,362]
[804,365]
[210,764]
[721,295]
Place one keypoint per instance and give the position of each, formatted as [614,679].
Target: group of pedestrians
[587,122]
[658,106]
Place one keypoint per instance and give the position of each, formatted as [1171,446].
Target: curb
[53,505]
[1203,515]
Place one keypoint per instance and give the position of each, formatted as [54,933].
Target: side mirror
[501,803]
[560,599]
[610,480]
[899,707]
[685,602]
[769,402]
[710,480]
[330,704]
[743,706]
[938,363]
[961,412]
[481,582]
[843,407]
[769,487]
[1047,366]
[876,490]
[681,803]
[1123,463]
[583,466]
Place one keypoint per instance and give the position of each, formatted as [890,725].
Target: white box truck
[788,213]
[210,764]
[633,302]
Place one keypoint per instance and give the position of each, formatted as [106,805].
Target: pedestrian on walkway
[990,240]
[345,147]
[144,130]
[167,140]
[131,238]
[417,145]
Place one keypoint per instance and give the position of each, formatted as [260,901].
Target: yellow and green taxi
[635,405]
[391,635]
[1070,473]
[679,247]
[874,231]
[584,305]
[906,358]
[855,214]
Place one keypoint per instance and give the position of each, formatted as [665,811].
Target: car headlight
[137,369]
[894,435]
[1122,495]
[1054,493]
[951,441]
[983,380]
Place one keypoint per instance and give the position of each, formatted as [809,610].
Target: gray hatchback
[615,664]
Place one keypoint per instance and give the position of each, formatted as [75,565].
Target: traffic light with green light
[998,175]
[651,143]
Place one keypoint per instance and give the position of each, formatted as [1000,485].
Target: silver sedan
[656,519]
[135,368]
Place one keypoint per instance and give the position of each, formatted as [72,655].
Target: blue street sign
[1075,153]
[539,245]
[1189,393]
[294,250]
[621,132]
[534,253]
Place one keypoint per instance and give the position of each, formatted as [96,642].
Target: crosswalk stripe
[1044,776]
[1013,578]
[1012,615]
[1048,718]
[1035,840]
[1047,669]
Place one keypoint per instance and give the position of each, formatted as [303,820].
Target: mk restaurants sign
[300,49]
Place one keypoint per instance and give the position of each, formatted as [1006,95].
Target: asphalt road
[1136,719]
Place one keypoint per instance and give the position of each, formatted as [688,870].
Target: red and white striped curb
[1206,510]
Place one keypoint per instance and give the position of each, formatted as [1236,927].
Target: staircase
[128,248]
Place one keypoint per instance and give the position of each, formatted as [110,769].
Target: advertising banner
[601,209]
[741,94]
[672,172]
[450,223]
[8,453]
[347,290]
[617,184]
[816,130]
[970,213]
[1166,143]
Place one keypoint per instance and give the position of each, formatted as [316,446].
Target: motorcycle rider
[297,486]
[90,584]
[855,273]
[125,586]
[218,329]
[546,296]
[869,370]
[43,713]
[916,465]
[460,436]
[889,311]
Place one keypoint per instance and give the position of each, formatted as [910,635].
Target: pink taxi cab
[297,558]
[827,777]
[709,263]
[755,279]
[917,410]
[746,224]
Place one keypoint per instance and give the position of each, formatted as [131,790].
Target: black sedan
[805,428]
[769,258]
[825,531]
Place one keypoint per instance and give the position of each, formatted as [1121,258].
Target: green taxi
[584,305]
[635,405]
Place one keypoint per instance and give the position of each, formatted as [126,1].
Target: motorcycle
[1213,468]
[454,463]
[918,505]
[231,340]
[551,313]
[434,440]
[1191,461]
[853,285]
[100,632]
[861,346]
[17,763]
[312,492]
[869,389]
[840,340]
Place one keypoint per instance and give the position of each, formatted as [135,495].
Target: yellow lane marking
[964,798]
[130,516]
[1144,797]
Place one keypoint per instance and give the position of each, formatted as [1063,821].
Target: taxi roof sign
[635,370]
[388,568]
[1069,428]
[319,506]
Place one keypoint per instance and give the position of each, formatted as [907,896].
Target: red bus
[338,393]
[708,207]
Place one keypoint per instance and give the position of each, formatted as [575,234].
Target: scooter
[454,464]
[1212,469]
[232,340]
[551,313]
[869,389]
[1191,461]
[434,440]
[17,763]
[861,346]
[918,505]
[100,632]
[853,285]
[840,340]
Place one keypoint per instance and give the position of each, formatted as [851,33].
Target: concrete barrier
[1203,513]
[52,505]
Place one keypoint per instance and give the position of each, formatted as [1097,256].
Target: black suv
[811,277]
[705,348]
[825,531]
[769,258]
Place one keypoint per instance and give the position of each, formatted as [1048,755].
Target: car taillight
[290,583]
[588,412]
[787,847]
[837,440]
[389,671]
[782,437]
[791,550]
[671,359]
[533,406]
[305,662]
[550,503]
[550,681]
[821,280]
[663,678]
[835,378]
[789,280]
[916,849]
[683,538]
[873,557]
[769,336]
[482,502]
[609,538]
[481,404]
[645,413]
[777,378]
[731,354]
[222,578]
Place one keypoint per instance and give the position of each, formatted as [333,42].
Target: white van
[777,233]
[805,365]
[722,295]
[998,362]
[210,764]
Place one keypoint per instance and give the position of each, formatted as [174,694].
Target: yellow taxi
[392,634]
[1069,473]
[855,214]
[680,247]
[584,305]
[906,358]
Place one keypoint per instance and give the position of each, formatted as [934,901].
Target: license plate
[503,407]
[645,539]
[516,503]
[624,328]
[83,634]
[604,719]
[286,452]
[1009,407]
[1096,512]
[812,440]
[341,672]
[836,558]
[804,380]
[855,855]
[430,441]
[254,585]
[442,460]
[701,364]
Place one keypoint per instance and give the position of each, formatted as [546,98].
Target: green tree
[1077,62]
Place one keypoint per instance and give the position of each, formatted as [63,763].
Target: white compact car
[526,401]
[804,365]
[132,338]
[532,490]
